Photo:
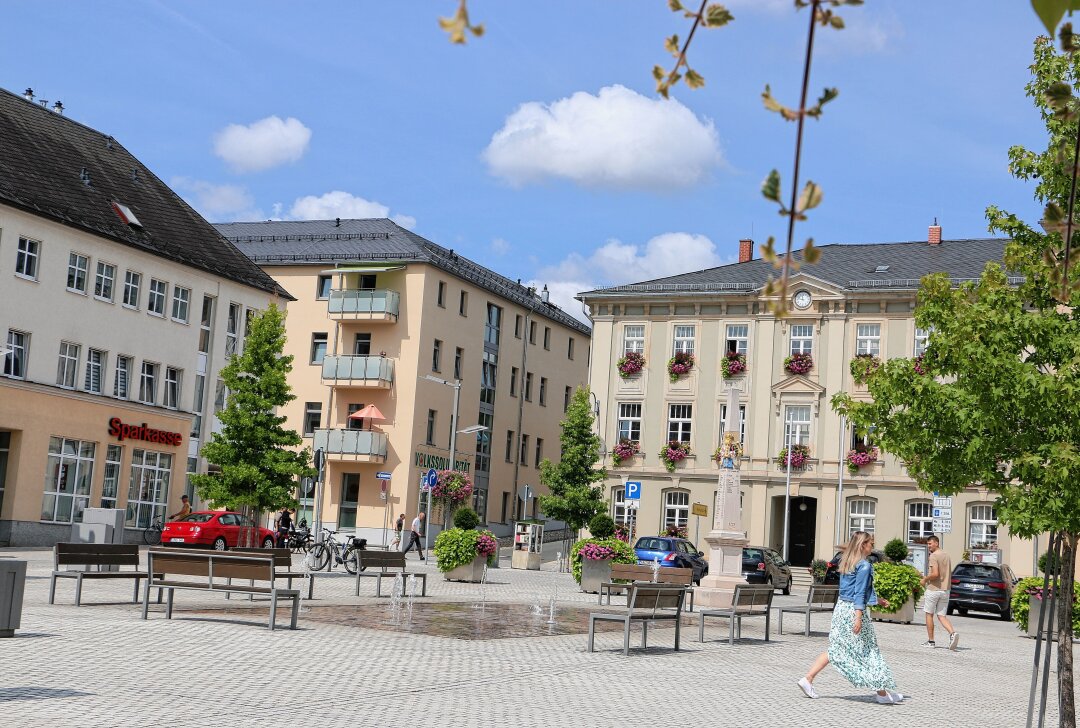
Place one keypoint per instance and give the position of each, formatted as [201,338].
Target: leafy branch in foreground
[457,25]
[710,16]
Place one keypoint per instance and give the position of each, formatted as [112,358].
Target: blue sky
[541,149]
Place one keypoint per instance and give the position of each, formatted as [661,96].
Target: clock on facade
[802,299]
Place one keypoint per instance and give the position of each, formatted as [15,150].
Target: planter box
[473,572]
[12,581]
[905,615]
[1034,610]
[593,574]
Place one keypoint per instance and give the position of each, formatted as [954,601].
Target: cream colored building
[118,306]
[380,311]
[857,299]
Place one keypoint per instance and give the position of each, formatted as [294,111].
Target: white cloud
[617,139]
[217,203]
[342,204]
[863,34]
[500,246]
[263,144]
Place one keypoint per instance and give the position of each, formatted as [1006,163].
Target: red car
[220,530]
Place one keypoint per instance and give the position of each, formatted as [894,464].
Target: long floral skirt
[856,656]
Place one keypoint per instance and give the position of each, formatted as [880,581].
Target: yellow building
[384,317]
[858,299]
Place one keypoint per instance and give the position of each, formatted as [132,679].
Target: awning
[373,269]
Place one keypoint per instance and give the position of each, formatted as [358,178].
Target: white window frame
[18,343]
[868,339]
[680,424]
[93,380]
[740,334]
[105,281]
[802,339]
[634,338]
[861,515]
[232,328]
[206,324]
[742,422]
[181,304]
[110,484]
[922,339]
[920,520]
[198,404]
[684,336]
[148,488]
[122,377]
[68,475]
[676,508]
[78,273]
[319,342]
[173,381]
[148,374]
[27,258]
[158,295]
[67,366]
[630,421]
[982,525]
[797,420]
[132,289]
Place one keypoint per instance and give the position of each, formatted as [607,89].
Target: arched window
[619,512]
[676,508]
[920,521]
[861,515]
[982,526]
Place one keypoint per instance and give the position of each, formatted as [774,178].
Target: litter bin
[12,582]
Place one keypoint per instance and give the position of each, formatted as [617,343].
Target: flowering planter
[1035,605]
[473,572]
[905,615]
[594,573]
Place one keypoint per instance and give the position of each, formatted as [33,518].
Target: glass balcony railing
[375,371]
[360,443]
[373,304]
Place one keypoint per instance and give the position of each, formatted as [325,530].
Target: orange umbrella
[371,412]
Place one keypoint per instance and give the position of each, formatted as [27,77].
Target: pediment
[797,384]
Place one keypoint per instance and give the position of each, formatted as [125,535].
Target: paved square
[215,664]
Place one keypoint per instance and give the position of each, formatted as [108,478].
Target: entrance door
[802,529]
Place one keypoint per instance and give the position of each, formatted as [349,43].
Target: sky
[542,149]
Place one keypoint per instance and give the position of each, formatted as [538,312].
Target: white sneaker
[897,697]
[886,699]
[928,643]
[954,640]
[808,688]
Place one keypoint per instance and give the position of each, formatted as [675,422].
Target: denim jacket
[858,586]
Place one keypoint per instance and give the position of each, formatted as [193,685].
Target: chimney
[544,295]
[934,237]
[746,250]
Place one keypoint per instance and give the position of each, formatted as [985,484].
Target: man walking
[415,531]
[399,525]
[936,600]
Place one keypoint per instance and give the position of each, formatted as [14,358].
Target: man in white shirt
[416,529]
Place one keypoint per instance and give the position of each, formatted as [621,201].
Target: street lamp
[456,385]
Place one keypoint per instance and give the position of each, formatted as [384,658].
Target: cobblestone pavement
[215,664]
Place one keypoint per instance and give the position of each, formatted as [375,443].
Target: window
[528,386]
[513,381]
[436,353]
[198,402]
[459,355]
[483,442]
[676,508]
[26,259]
[488,377]
[532,332]
[570,348]
[148,382]
[249,314]
[509,446]
[440,298]
[431,416]
[312,418]
[350,497]
[68,474]
[367,282]
[463,304]
[206,322]
[802,339]
[742,422]
[868,339]
[104,281]
[5,448]
[219,396]
[354,423]
[148,491]
[132,283]
[543,391]
[493,326]
[78,265]
[232,328]
[322,287]
[737,338]
[18,348]
[505,507]
[156,303]
[920,522]
[517,325]
[111,484]
[181,299]
[95,367]
[862,441]
[861,516]
[634,339]
[566,399]
[797,425]
[922,338]
[539,451]
[547,338]
[619,511]
[679,419]
[982,527]
[318,347]
[524,455]
[630,421]
[172,388]
[122,377]
[68,366]
[362,345]
[684,340]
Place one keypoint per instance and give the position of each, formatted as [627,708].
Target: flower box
[1035,605]
[624,450]
[630,364]
[674,452]
[594,573]
[471,572]
[680,365]
[904,615]
[733,364]
[799,456]
[799,364]
[857,459]
[863,366]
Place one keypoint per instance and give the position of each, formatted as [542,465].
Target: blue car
[671,551]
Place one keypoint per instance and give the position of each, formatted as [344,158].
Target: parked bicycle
[324,555]
[300,539]
[152,533]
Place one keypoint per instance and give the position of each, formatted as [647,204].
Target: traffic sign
[942,502]
[943,513]
[632,490]
[428,480]
[382,475]
[525,492]
[942,525]
[699,509]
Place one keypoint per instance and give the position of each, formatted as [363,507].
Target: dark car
[670,551]
[832,571]
[762,565]
[982,588]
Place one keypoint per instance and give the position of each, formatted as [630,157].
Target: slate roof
[375,240]
[848,267]
[43,156]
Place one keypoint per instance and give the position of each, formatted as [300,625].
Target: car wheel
[787,589]
[963,612]
[268,543]
[950,610]
[1006,616]
[219,544]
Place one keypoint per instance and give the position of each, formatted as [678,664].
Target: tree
[258,471]
[574,499]
[995,400]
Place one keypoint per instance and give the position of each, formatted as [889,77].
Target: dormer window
[125,214]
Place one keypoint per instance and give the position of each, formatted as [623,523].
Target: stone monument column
[726,539]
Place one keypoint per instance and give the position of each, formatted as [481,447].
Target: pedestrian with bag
[398,526]
[283,525]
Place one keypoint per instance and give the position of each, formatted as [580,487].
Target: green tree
[574,499]
[995,400]
[258,470]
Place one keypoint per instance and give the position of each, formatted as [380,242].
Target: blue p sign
[632,490]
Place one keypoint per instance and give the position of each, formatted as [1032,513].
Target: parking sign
[632,490]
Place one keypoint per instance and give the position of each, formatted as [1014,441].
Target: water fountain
[551,605]
[655,570]
[395,602]
[483,589]
[411,598]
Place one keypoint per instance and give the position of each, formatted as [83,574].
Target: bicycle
[329,552]
[152,533]
[300,540]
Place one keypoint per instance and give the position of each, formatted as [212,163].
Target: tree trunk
[1066,701]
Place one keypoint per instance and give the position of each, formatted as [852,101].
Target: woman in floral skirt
[853,647]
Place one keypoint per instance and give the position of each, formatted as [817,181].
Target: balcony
[375,372]
[352,304]
[361,446]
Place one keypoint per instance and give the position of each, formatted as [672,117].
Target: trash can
[12,583]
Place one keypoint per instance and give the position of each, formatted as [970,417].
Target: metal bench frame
[95,554]
[645,603]
[377,565]
[747,601]
[822,598]
[643,574]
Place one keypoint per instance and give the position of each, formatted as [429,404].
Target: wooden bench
[379,564]
[282,562]
[627,574]
[747,601]
[214,571]
[644,603]
[95,555]
[822,598]
[682,577]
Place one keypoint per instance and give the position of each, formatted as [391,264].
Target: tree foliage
[258,471]
[574,499]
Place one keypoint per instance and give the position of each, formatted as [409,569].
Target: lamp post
[787,484]
[456,385]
